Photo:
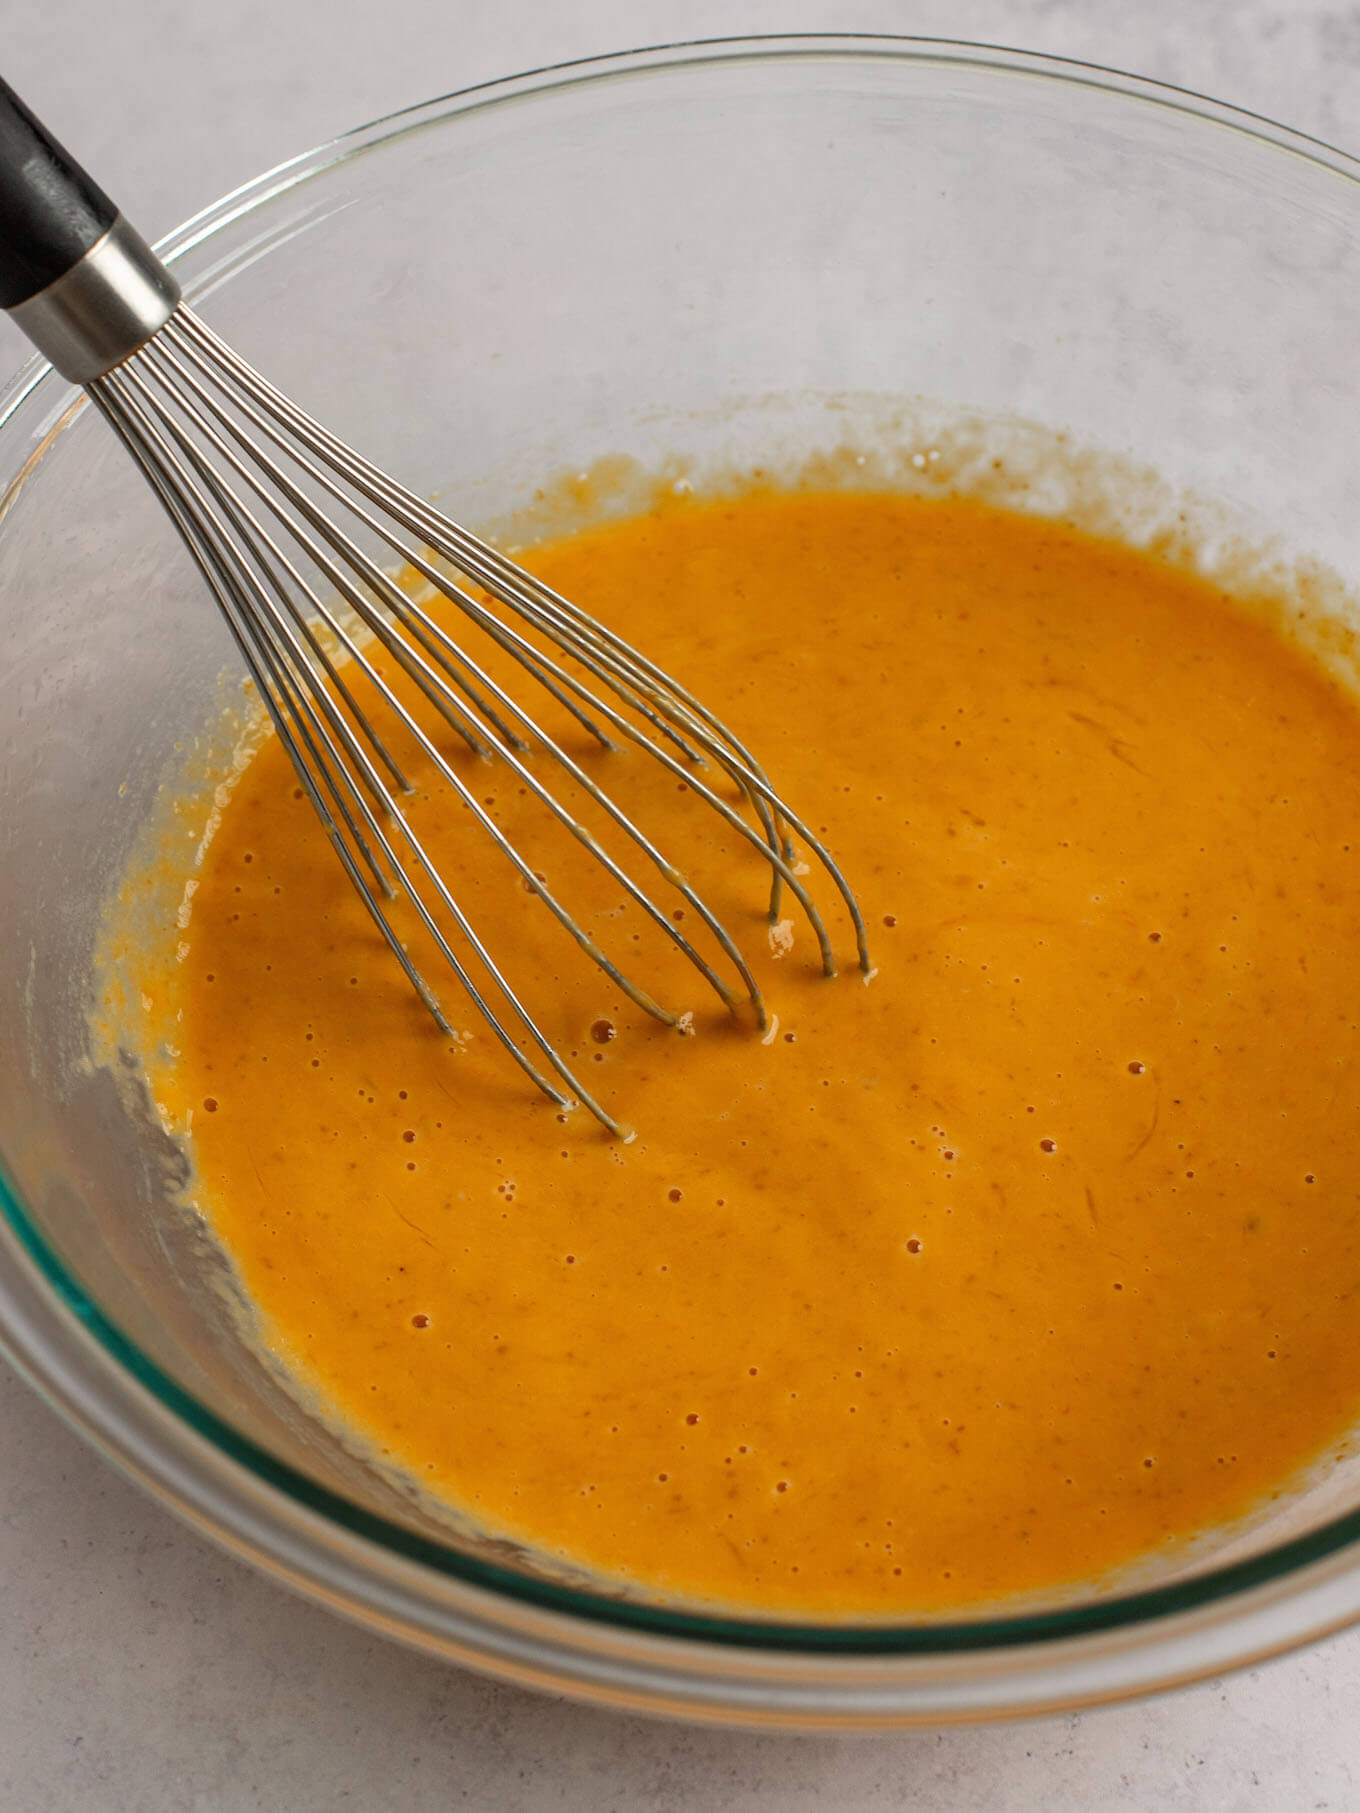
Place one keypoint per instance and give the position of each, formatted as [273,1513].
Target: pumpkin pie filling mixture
[1035,1255]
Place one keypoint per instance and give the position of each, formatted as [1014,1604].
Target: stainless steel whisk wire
[239,469]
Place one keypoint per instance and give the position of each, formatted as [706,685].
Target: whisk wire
[429,682]
[382,586]
[258,538]
[194,414]
[243,600]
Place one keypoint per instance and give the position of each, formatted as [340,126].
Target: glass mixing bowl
[681,253]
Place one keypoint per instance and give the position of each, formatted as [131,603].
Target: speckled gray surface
[139,1668]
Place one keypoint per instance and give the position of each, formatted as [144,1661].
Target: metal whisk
[280,517]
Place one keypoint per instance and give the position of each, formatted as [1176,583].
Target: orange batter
[1037,1253]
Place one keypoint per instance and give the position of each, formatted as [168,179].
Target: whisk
[295,534]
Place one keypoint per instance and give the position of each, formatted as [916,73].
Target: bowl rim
[190,1458]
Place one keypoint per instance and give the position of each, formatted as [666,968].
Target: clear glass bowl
[655,254]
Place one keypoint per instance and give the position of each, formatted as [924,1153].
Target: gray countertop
[140,1668]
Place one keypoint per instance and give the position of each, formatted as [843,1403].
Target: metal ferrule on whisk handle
[74,275]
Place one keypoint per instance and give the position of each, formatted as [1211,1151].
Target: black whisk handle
[51,212]
[86,289]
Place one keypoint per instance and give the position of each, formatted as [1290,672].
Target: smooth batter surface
[1037,1253]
